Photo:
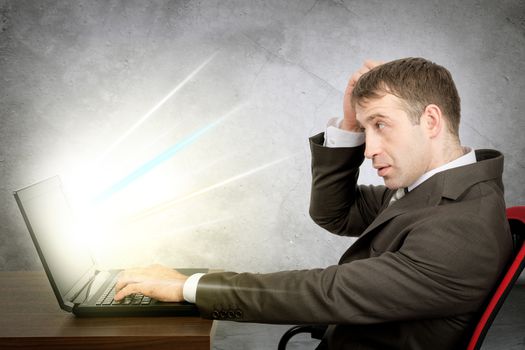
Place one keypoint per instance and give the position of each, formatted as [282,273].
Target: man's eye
[380,125]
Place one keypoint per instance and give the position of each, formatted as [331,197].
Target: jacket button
[231,314]
[223,314]
[215,314]
[238,313]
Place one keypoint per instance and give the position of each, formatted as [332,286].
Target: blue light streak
[156,107]
[153,163]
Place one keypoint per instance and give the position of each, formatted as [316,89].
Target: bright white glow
[152,110]
[161,158]
[167,205]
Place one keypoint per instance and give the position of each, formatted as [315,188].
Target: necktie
[400,193]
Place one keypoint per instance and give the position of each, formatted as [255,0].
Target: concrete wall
[79,80]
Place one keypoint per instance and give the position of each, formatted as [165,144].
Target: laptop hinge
[79,285]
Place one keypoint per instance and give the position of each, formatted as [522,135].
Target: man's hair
[418,83]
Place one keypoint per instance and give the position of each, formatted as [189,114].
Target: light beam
[154,109]
[161,158]
[167,205]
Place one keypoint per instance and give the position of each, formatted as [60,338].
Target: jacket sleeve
[337,203]
[432,275]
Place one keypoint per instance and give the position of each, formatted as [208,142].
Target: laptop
[78,285]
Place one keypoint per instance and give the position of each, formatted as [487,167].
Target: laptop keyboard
[106,298]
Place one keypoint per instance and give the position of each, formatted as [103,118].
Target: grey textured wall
[75,76]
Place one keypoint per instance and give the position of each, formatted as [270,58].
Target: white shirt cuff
[189,290]
[335,137]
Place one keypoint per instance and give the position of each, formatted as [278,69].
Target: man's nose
[372,147]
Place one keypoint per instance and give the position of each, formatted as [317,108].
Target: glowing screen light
[167,205]
[151,206]
[159,159]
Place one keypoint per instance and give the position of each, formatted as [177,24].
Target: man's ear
[432,120]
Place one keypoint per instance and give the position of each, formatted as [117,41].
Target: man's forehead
[374,107]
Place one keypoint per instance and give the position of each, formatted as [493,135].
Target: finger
[127,278]
[354,79]
[120,285]
[372,63]
[363,70]
[127,290]
[359,73]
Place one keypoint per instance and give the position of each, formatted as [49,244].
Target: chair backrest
[516,217]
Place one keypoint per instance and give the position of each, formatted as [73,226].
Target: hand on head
[155,281]
[349,122]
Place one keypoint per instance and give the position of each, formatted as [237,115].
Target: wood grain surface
[30,317]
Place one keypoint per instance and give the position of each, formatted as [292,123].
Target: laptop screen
[50,223]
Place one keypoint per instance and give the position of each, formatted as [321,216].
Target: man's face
[398,149]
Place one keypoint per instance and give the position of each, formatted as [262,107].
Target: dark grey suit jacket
[415,278]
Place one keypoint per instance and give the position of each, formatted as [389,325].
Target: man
[432,241]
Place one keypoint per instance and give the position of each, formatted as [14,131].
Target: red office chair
[516,217]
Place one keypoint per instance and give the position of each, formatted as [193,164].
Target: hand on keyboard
[107,298]
[156,281]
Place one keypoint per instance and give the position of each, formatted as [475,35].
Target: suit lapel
[447,184]
[427,194]
[420,197]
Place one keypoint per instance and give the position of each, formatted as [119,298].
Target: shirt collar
[468,158]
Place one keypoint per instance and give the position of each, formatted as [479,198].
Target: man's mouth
[382,170]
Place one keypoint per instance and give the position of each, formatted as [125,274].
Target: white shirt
[335,137]
[469,157]
[189,290]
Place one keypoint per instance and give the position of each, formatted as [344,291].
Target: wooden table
[31,318]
